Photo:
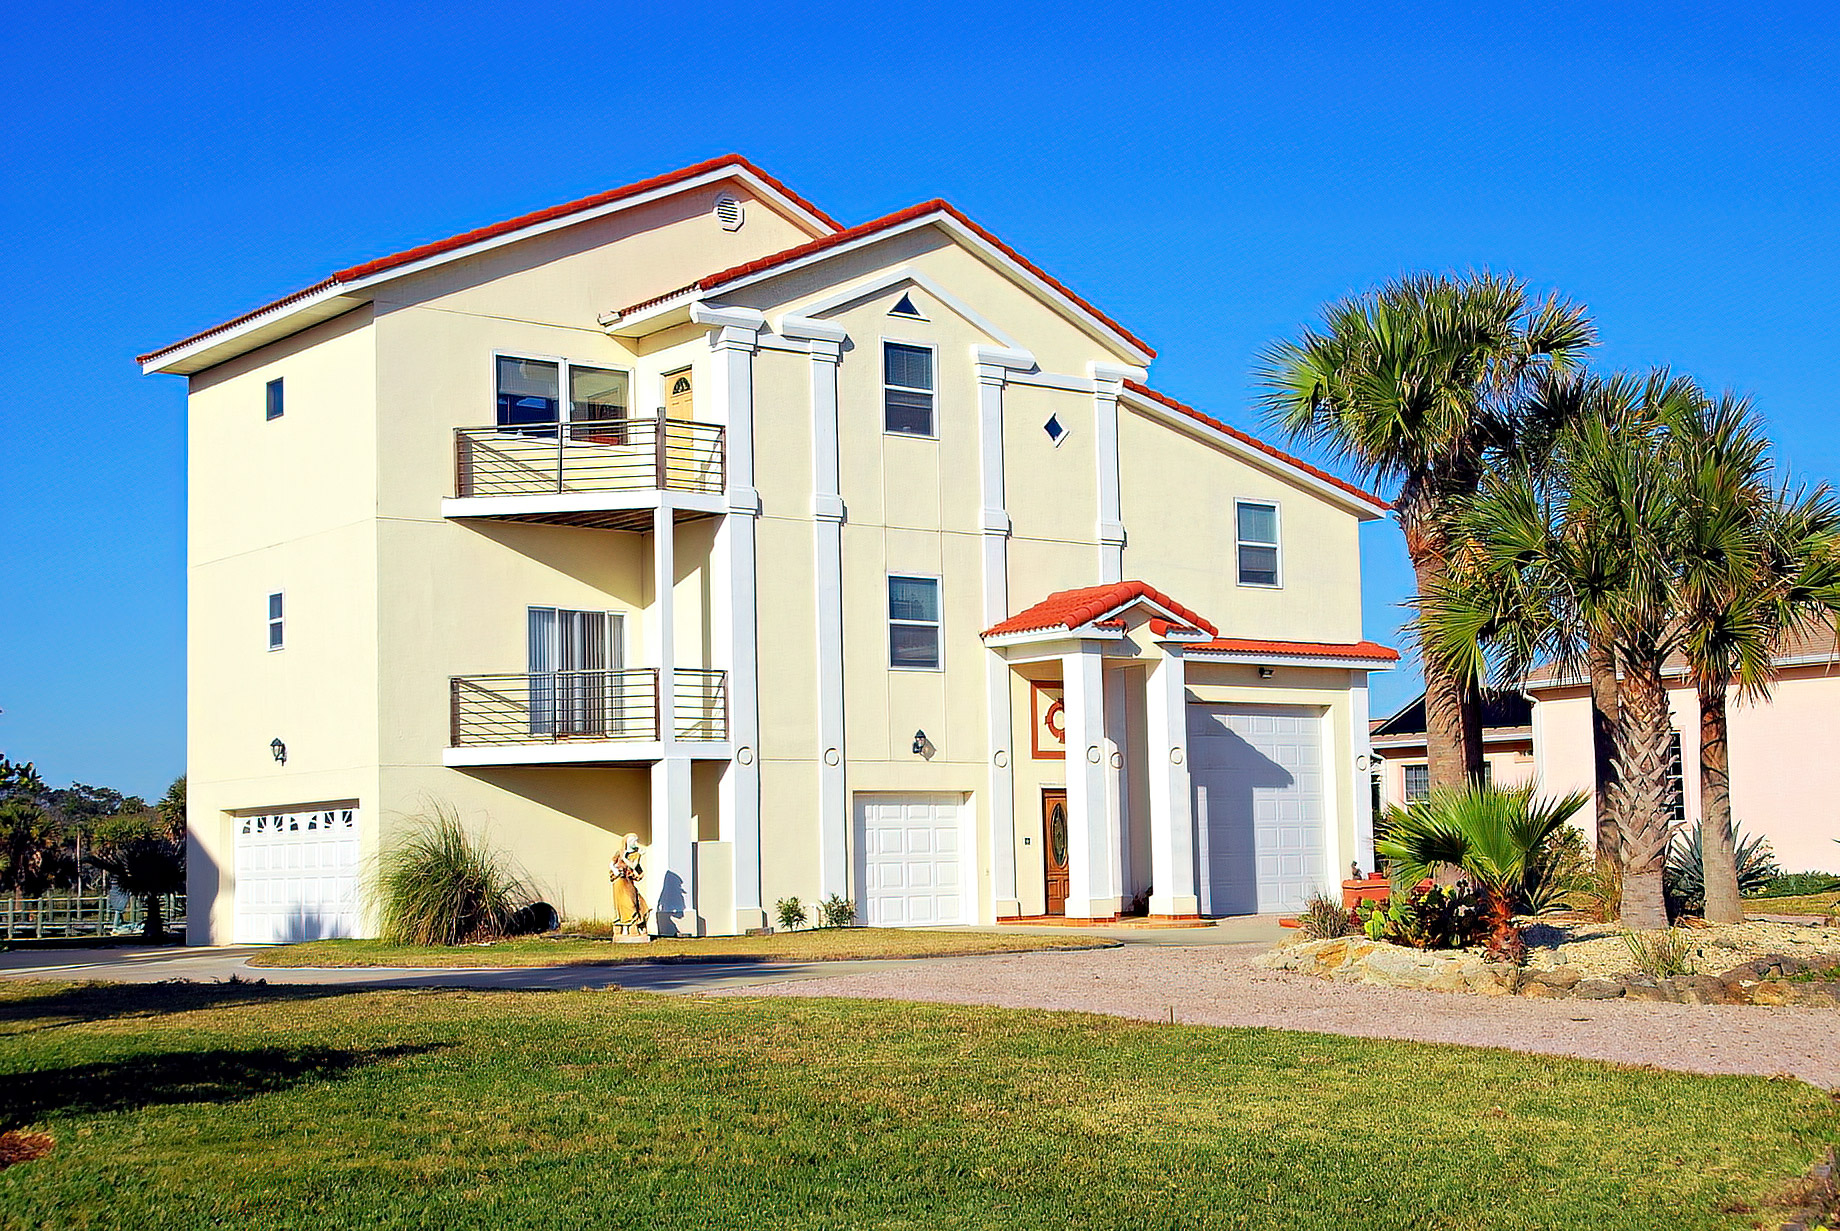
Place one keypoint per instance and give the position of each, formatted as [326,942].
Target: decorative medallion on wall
[1049,733]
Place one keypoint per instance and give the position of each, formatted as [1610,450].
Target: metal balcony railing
[555,707]
[607,455]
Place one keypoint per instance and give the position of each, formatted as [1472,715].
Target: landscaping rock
[1699,989]
[1598,989]
[1770,991]
[1535,990]
[1641,987]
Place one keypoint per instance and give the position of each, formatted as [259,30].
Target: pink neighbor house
[1785,752]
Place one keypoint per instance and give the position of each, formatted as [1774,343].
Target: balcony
[608,474]
[585,717]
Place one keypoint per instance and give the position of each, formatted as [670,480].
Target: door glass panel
[1057,834]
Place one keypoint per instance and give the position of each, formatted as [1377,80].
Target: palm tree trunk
[1717,844]
[1644,736]
[1453,711]
[1601,658]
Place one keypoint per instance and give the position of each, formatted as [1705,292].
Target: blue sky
[1209,175]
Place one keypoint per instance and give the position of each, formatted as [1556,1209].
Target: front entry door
[1054,848]
[679,395]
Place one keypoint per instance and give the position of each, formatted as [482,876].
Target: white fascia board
[969,239]
[1254,457]
[1249,659]
[358,286]
[1058,634]
[310,309]
[580,752]
[582,502]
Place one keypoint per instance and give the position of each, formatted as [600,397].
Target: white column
[1108,383]
[826,344]
[671,863]
[993,368]
[734,336]
[663,642]
[1092,829]
[1172,825]
[1361,758]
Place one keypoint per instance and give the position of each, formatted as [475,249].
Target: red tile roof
[1297,649]
[1163,399]
[1073,608]
[910,214]
[383,264]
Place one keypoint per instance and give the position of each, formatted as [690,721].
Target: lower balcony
[587,717]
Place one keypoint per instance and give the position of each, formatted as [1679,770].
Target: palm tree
[1423,385]
[1758,565]
[1573,562]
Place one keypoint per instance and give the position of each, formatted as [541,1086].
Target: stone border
[1772,980]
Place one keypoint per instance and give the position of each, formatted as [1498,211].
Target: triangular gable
[1101,607]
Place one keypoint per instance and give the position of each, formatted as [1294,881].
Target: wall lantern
[280,751]
[919,743]
[1264,673]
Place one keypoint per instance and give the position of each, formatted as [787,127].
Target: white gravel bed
[1216,985]
[1597,950]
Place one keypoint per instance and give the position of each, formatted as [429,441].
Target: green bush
[790,912]
[1683,880]
[438,885]
[1434,917]
[836,911]
[1798,884]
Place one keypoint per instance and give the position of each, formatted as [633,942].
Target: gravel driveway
[1217,985]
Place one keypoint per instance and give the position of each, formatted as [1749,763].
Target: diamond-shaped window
[1056,431]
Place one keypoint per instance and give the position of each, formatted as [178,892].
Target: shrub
[1432,917]
[1323,918]
[790,912]
[836,911]
[141,853]
[1798,884]
[438,885]
[1683,880]
[1600,893]
[1660,955]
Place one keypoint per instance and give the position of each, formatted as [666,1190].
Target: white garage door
[1260,815]
[907,859]
[296,876]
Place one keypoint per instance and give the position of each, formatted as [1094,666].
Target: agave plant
[1686,882]
[1501,840]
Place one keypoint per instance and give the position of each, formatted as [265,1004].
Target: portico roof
[1065,611]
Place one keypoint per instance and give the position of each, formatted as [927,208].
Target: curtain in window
[574,667]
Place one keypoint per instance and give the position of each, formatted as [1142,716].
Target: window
[907,389]
[1418,783]
[274,398]
[913,623]
[905,307]
[275,635]
[530,394]
[1257,527]
[1676,781]
[576,686]
[1057,432]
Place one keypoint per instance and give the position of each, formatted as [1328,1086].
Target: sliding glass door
[574,668]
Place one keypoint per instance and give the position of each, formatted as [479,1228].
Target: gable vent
[905,307]
[729,212]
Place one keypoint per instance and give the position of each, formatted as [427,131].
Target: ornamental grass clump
[1660,955]
[439,885]
[1323,918]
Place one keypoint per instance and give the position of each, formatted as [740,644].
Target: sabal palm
[1758,563]
[1574,562]
[1422,386]
[1494,837]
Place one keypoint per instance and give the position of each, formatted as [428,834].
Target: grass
[819,945]
[246,1105]
[1805,904]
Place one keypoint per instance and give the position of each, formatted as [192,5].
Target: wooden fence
[56,916]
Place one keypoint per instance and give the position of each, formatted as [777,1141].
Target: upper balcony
[608,473]
[586,717]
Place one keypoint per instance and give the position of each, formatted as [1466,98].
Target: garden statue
[629,907]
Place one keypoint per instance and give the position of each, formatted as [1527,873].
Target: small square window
[1257,548]
[1057,432]
[1418,783]
[274,398]
[913,623]
[907,389]
[275,634]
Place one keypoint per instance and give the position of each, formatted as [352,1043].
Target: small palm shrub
[790,912]
[1323,918]
[836,911]
[1660,955]
[1683,881]
[439,885]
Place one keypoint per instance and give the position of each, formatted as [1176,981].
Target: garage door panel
[907,859]
[1258,780]
[296,876]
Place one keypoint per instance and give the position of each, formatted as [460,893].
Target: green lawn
[1806,904]
[255,1106]
[817,945]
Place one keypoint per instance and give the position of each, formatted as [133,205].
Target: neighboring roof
[1818,648]
[1278,455]
[467,239]
[868,230]
[1370,651]
[1071,609]
[1501,709]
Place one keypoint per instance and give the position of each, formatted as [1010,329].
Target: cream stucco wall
[1785,778]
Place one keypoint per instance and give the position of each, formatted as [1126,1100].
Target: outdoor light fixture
[1264,673]
[919,743]
[280,751]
